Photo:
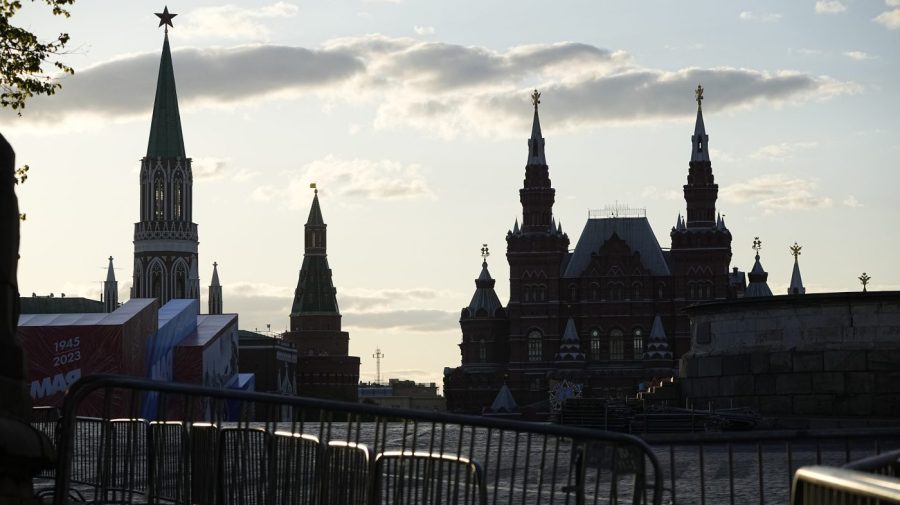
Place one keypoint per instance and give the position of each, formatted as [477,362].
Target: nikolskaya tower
[165,238]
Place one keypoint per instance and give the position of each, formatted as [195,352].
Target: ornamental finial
[165,18]
[536,98]
[864,279]
[312,186]
[795,250]
[485,252]
[757,245]
[699,94]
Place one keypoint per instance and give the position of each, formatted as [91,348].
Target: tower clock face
[595,333]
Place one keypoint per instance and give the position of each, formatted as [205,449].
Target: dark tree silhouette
[23,450]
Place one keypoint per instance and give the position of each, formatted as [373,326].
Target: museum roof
[635,231]
[789,300]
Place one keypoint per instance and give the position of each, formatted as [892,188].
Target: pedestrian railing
[204,446]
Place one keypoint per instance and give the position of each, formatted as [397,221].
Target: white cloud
[425,320]
[775,192]
[890,18]
[859,55]
[233,22]
[762,17]
[782,151]
[423,30]
[852,202]
[209,168]
[244,175]
[356,178]
[829,7]
[442,88]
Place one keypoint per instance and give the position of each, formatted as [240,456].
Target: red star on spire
[165,18]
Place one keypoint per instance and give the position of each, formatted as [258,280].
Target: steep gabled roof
[166,139]
[635,231]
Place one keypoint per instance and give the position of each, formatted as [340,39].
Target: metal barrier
[756,466]
[203,445]
[825,485]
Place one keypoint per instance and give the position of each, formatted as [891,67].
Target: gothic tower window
[636,289]
[595,344]
[179,197]
[535,347]
[156,282]
[595,291]
[180,281]
[159,198]
[638,343]
[616,345]
[482,351]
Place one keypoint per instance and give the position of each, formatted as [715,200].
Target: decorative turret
[215,292]
[485,302]
[758,277]
[110,289]
[657,344]
[796,287]
[193,290]
[701,191]
[570,344]
[537,195]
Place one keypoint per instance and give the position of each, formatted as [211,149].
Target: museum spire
[796,287]
[700,149]
[536,142]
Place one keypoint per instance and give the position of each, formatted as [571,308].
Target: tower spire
[166,139]
[536,142]
[796,287]
[110,289]
[758,276]
[215,292]
[700,151]
[315,292]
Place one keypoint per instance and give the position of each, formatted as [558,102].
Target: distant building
[51,304]
[324,367]
[272,360]
[404,394]
[579,322]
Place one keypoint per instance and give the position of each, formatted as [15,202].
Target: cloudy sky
[412,117]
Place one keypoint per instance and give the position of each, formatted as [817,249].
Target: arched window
[638,343]
[660,291]
[595,291]
[482,351]
[179,197]
[573,292]
[616,291]
[636,289]
[595,344]
[616,345]
[159,198]
[535,346]
[156,282]
[180,281]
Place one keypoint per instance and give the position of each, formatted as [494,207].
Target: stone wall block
[883,360]
[813,405]
[759,362]
[709,366]
[836,361]
[736,385]
[736,364]
[780,361]
[830,382]
[764,384]
[775,405]
[793,383]
[859,382]
[853,405]
[887,382]
[807,361]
